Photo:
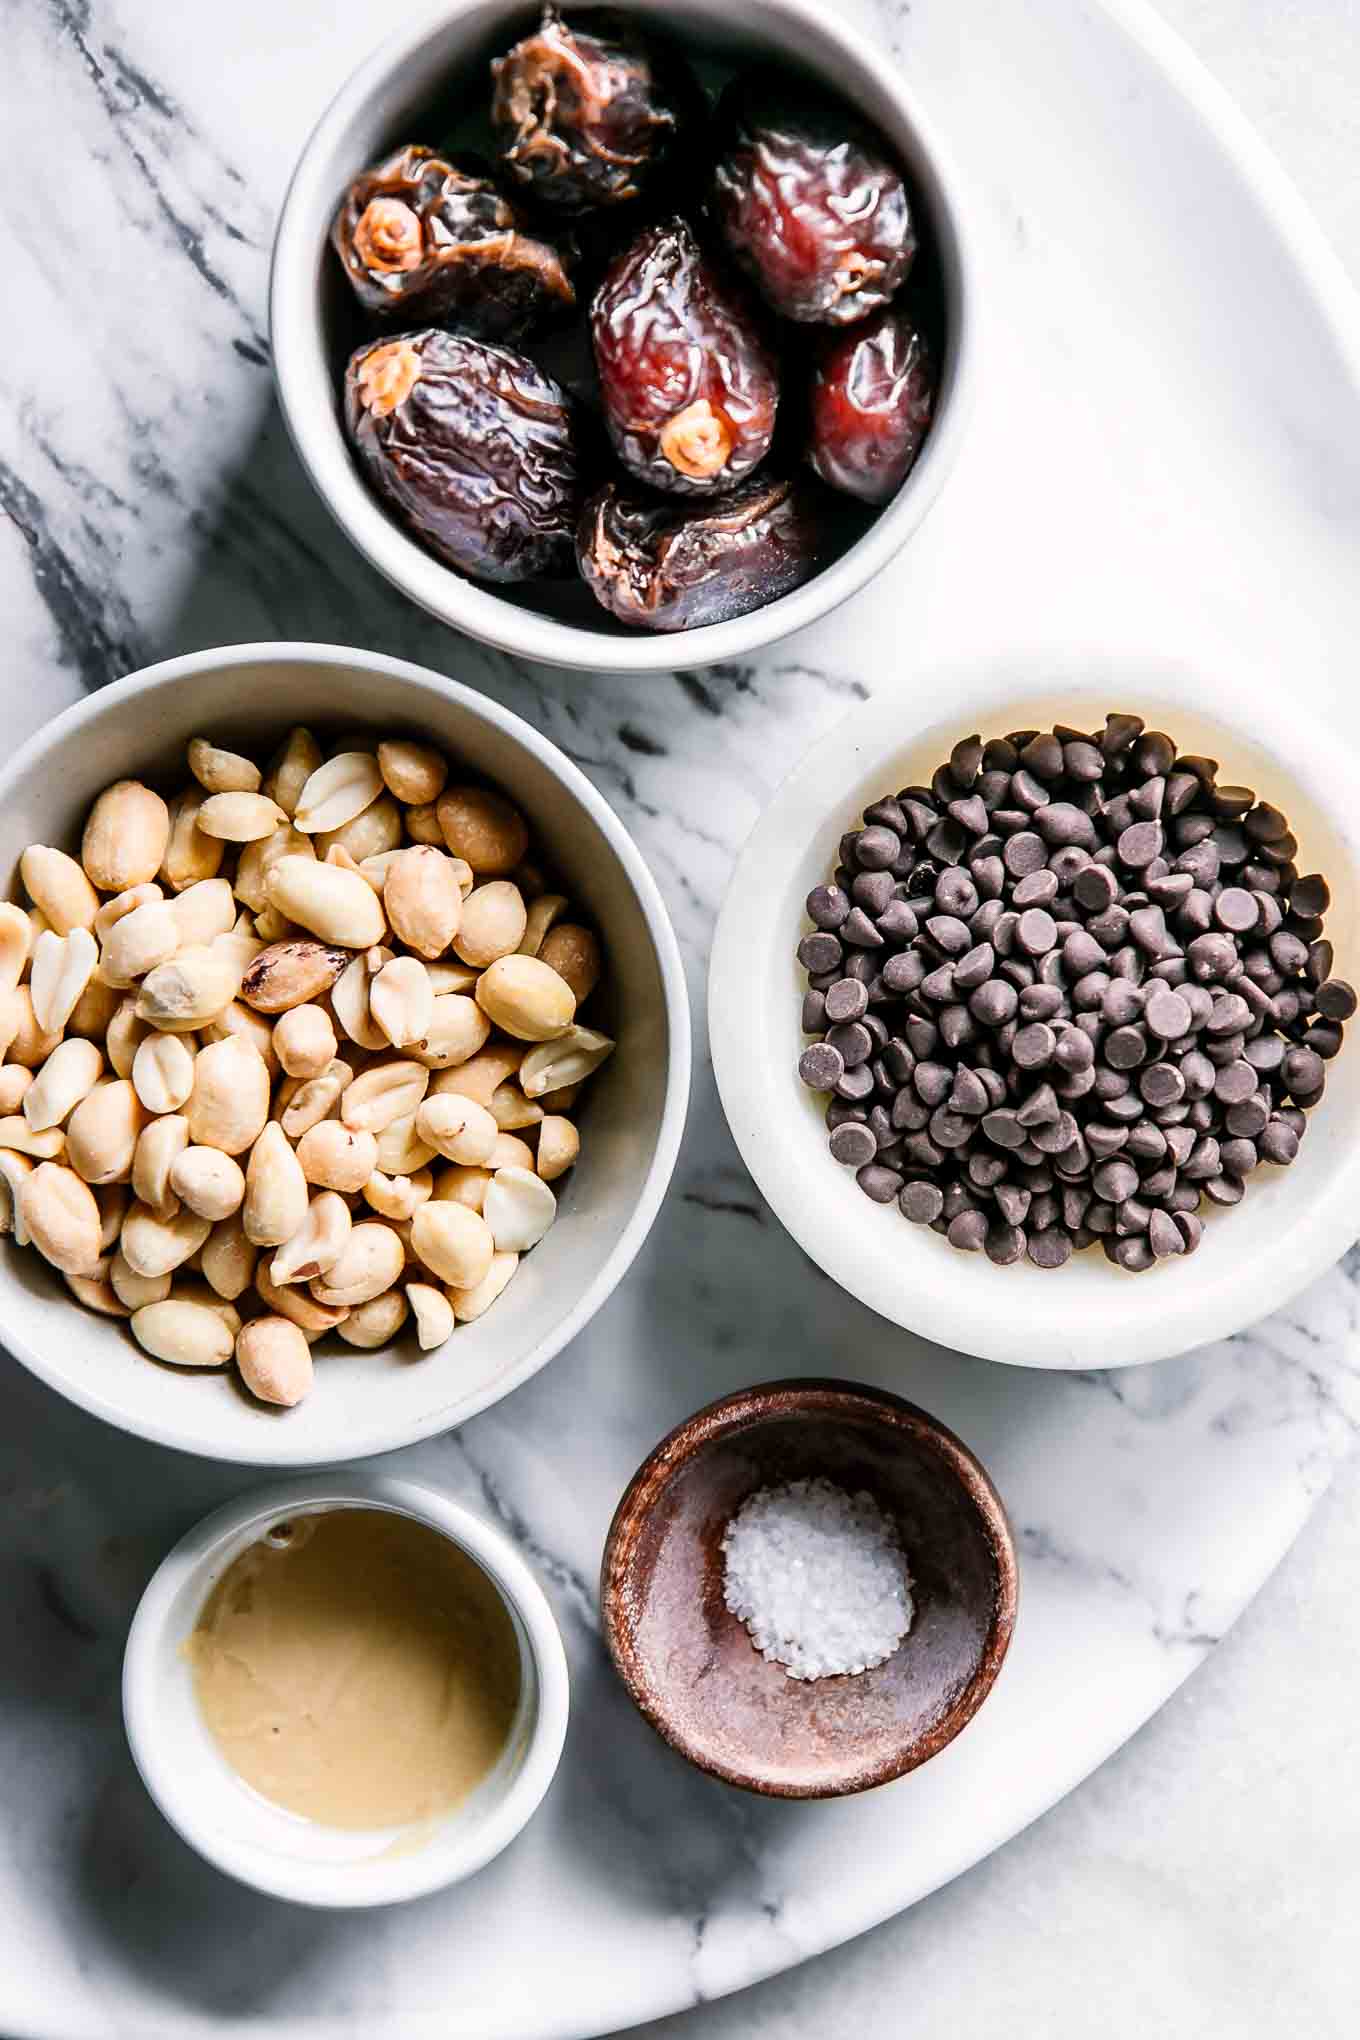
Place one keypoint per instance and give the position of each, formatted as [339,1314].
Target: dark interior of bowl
[689,1663]
[457,120]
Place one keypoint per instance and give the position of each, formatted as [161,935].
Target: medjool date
[667,567]
[425,240]
[688,384]
[809,201]
[473,446]
[587,115]
[873,391]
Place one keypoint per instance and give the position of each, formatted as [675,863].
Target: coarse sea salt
[819,1577]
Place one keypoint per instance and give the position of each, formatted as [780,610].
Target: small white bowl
[278,1852]
[1292,1223]
[389,100]
[631,1119]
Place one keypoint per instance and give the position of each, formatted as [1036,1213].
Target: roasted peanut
[539,918]
[519,1208]
[221,771]
[396,1197]
[185,1334]
[338,791]
[229,1258]
[203,911]
[163,1072]
[138,941]
[229,1103]
[240,817]
[289,974]
[153,1245]
[423,899]
[298,1305]
[375,1323]
[92,1014]
[257,860]
[69,1074]
[291,767]
[413,773]
[209,1182]
[134,1290]
[372,1259]
[351,1001]
[511,1110]
[574,953]
[460,1185]
[458,1028]
[29,1043]
[492,924]
[276,1190]
[525,997]
[58,888]
[387,1092]
[101,1135]
[458,1128]
[15,1169]
[113,1200]
[376,830]
[304,1041]
[125,836]
[482,1074]
[126,1033]
[15,1084]
[317,1243]
[469,1304]
[44,1146]
[566,1060]
[252,1027]
[433,1314]
[401,1001]
[159,1147]
[401,1151]
[190,855]
[558,1146]
[61,1218]
[509,1152]
[274,1360]
[337,1157]
[191,990]
[334,905]
[453,1241]
[482,827]
[422,825]
[62,967]
[314,1099]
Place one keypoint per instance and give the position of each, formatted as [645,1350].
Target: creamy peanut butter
[356,1668]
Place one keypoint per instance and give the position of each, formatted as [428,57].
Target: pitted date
[688,384]
[587,114]
[809,201]
[873,392]
[473,446]
[422,239]
[670,567]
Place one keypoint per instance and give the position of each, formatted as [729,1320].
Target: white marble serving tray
[1167,446]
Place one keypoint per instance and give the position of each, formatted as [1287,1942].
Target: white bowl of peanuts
[345,1053]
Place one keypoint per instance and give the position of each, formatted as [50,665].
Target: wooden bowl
[690,1665]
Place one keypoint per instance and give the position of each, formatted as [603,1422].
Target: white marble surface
[152,506]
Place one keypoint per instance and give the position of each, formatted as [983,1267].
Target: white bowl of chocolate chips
[1028,1005]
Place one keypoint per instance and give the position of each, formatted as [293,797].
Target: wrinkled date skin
[425,241]
[873,392]
[809,201]
[587,116]
[473,446]
[688,384]
[664,567]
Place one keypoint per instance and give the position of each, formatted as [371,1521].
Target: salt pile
[819,1577]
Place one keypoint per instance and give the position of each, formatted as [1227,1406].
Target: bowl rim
[465,605]
[959,691]
[390,1879]
[810,1398]
[146,682]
